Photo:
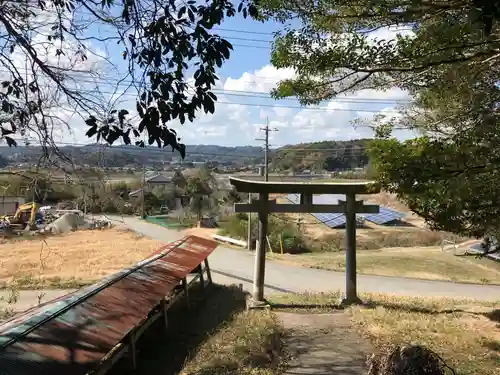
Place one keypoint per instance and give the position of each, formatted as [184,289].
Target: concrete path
[236,266]
[322,344]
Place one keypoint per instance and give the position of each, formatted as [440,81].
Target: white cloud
[391,32]
[239,124]
[261,80]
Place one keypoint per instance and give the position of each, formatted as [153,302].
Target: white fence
[229,240]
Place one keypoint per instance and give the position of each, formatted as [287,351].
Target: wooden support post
[209,274]
[202,281]
[186,291]
[260,253]
[132,351]
[164,309]
[350,268]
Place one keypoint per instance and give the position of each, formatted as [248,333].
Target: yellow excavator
[25,216]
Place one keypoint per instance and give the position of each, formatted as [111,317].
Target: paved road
[236,267]
[233,266]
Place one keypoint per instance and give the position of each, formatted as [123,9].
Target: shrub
[376,240]
[280,232]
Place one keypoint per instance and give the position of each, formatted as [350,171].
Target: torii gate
[263,206]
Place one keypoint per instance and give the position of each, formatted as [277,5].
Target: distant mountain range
[122,156]
[326,155]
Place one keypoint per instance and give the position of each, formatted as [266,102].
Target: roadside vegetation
[464,333]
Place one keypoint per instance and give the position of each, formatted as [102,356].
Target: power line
[237,93]
[323,109]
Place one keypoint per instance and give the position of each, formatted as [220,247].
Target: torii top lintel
[248,186]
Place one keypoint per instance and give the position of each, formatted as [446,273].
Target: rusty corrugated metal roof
[70,335]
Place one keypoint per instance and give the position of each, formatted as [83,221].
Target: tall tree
[446,56]
[334,52]
[162,41]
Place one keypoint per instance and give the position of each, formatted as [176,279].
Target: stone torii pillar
[263,206]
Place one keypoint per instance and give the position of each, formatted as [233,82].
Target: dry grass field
[72,259]
[428,263]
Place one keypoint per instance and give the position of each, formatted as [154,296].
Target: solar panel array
[335,220]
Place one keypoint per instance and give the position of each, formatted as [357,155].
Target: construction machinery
[25,216]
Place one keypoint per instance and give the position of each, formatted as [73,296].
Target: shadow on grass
[306,306]
[493,315]
[163,351]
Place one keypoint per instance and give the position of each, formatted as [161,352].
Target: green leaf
[91,121]
[91,132]
[208,104]
[140,109]
[190,15]
[11,142]
[181,12]
[121,115]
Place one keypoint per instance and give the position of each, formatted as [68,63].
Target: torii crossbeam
[263,206]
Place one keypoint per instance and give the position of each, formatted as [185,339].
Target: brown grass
[464,332]
[249,344]
[422,263]
[386,200]
[72,259]
[245,342]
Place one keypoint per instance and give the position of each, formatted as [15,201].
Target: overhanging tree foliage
[447,58]
[162,41]
[333,52]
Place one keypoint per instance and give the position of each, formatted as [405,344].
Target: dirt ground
[200,232]
[83,255]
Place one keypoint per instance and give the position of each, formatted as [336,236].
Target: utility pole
[266,148]
[262,220]
[249,243]
[143,198]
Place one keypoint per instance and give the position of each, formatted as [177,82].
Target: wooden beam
[272,206]
[249,186]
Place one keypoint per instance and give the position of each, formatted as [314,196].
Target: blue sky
[244,103]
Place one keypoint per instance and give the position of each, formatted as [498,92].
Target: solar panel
[385,215]
[334,220]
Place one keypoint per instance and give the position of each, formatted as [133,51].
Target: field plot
[71,260]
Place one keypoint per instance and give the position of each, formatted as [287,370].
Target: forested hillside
[326,155]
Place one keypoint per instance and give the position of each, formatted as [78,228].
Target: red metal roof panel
[75,338]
